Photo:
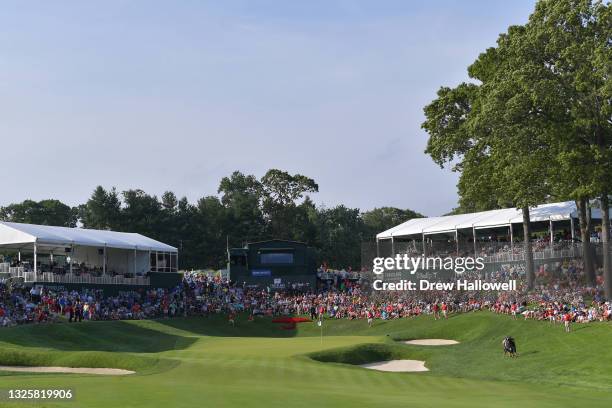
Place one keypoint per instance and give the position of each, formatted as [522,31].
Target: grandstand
[69,257]
[491,234]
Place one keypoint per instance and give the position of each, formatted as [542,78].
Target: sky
[162,95]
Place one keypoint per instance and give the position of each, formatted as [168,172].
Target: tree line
[534,124]
[245,209]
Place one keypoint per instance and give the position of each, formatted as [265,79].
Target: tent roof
[12,233]
[413,226]
[485,219]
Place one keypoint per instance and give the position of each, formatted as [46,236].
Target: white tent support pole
[392,246]
[71,257]
[424,248]
[19,256]
[149,261]
[377,247]
[572,227]
[104,261]
[35,261]
[511,239]
[474,234]
[176,266]
[457,241]
[552,233]
[134,261]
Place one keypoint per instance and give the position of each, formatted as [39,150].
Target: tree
[341,232]
[241,195]
[494,134]
[44,212]
[169,202]
[383,218]
[280,193]
[102,210]
[141,213]
[541,112]
[211,230]
[572,39]
[304,223]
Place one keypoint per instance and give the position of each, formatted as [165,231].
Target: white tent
[485,219]
[14,235]
[116,252]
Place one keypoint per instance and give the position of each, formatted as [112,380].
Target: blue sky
[166,95]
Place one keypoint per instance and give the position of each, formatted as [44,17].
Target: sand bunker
[69,370]
[432,342]
[397,366]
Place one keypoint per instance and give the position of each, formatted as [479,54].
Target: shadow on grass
[219,326]
[366,353]
[116,336]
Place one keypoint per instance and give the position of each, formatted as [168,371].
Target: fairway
[205,362]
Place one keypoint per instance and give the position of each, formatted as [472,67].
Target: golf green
[205,362]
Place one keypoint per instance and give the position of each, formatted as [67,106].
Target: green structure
[276,263]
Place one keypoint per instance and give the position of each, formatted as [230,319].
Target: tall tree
[44,212]
[241,195]
[102,210]
[341,233]
[493,134]
[281,192]
[141,213]
[211,226]
[572,39]
[383,218]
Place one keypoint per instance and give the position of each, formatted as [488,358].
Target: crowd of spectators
[559,292]
[40,305]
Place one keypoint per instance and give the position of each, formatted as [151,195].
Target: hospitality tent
[506,217]
[124,252]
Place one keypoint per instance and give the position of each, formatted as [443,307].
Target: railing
[4,267]
[503,252]
[340,275]
[17,272]
[50,277]
[571,252]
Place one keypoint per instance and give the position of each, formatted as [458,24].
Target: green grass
[206,363]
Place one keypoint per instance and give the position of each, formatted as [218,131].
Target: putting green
[205,362]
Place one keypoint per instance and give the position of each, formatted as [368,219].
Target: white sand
[432,342]
[70,370]
[397,366]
